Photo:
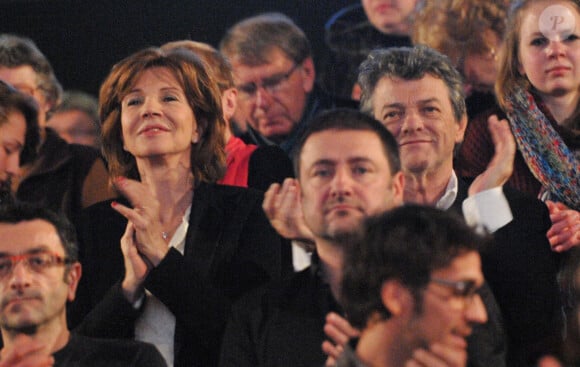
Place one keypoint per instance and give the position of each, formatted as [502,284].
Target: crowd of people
[416,203]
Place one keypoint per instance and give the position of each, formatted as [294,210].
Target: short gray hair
[251,40]
[410,63]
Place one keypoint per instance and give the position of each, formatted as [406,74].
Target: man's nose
[412,122]
[263,97]
[19,275]
[476,312]
[341,182]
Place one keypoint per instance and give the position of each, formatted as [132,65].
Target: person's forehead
[19,75]
[14,128]
[76,118]
[16,238]
[403,91]
[275,61]
[156,74]
[343,145]
[465,266]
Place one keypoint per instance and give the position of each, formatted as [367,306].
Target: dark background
[84,38]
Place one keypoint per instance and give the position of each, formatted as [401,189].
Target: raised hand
[339,331]
[501,166]
[144,216]
[284,210]
[25,352]
[136,266]
[448,353]
[565,231]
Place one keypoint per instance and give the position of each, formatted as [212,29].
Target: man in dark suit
[39,273]
[417,94]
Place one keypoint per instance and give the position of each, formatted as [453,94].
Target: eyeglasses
[272,84]
[36,261]
[466,289]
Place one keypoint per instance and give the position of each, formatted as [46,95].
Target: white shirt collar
[450,194]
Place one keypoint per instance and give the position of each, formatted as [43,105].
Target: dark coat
[230,248]
[521,270]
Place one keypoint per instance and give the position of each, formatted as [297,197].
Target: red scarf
[238,156]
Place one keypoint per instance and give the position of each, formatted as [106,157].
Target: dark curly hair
[407,244]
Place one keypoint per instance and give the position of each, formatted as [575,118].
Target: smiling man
[403,297]
[417,94]
[39,273]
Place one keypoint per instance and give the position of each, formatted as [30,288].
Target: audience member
[274,75]
[458,29]
[540,92]
[354,31]
[347,169]
[39,273]
[417,94]
[188,248]
[76,119]
[63,177]
[403,297]
[470,33]
[19,136]
[247,165]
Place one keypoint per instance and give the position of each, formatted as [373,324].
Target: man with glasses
[39,273]
[275,78]
[411,281]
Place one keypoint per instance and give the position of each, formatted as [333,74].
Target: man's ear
[396,297]
[229,103]
[72,278]
[398,186]
[308,74]
[462,126]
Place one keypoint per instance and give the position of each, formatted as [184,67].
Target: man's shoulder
[87,351]
[293,291]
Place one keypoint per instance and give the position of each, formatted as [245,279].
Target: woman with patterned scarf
[539,89]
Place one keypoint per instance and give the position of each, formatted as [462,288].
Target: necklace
[166,234]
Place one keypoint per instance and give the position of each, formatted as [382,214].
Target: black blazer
[230,248]
[521,270]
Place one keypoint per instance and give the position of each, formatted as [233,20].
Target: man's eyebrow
[428,100]
[393,105]
[34,250]
[323,162]
[359,159]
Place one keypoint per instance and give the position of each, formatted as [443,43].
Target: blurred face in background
[24,79]
[12,140]
[76,127]
[389,16]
